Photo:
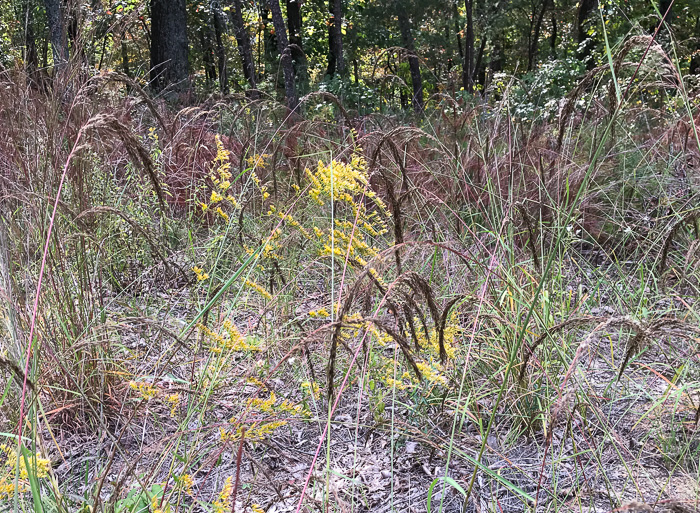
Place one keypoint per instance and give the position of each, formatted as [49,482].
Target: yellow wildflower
[199,272]
[223,503]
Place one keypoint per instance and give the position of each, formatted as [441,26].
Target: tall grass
[470,312]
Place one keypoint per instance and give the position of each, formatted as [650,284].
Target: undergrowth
[236,311]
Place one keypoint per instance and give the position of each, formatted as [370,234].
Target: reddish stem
[39,281]
[238,470]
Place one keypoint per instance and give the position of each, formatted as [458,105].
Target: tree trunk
[413,63]
[553,37]
[586,7]
[478,67]
[219,31]
[57,30]
[31,57]
[666,6]
[207,54]
[455,14]
[535,39]
[468,65]
[244,49]
[169,46]
[285,55]
[336,62]
[295,40]
[125,58]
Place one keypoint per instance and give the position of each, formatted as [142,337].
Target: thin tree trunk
[553,38]
[455,15]
[294,21]
[468,65]
[336,62]
[57,30]
[585,8]
[413,63]
[219,31]
[285,55]
[207,55]
[479,60]
[244,48]
[125,58]
[31,57]
[534,42]
[45,53]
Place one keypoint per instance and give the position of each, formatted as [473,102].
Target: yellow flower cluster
[231,340]
[259,430]
[146,390]
[199,273]
[174,401]
[153,135]
[223,503]
[341,183]
[220,175]
[8,465]
[427,362]
[254,433]
[321,312]
[263,405]
[7,488]
[186,483]
[257,160]
[432,344]
[157,507]
[258,288]
[289,219]
[381,337]
[432,372]
[271,247]
[311,389]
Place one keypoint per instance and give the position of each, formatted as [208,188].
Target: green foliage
[538,95]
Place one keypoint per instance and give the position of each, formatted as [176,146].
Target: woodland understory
[228,306]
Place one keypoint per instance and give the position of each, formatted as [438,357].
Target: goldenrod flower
[201,275]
